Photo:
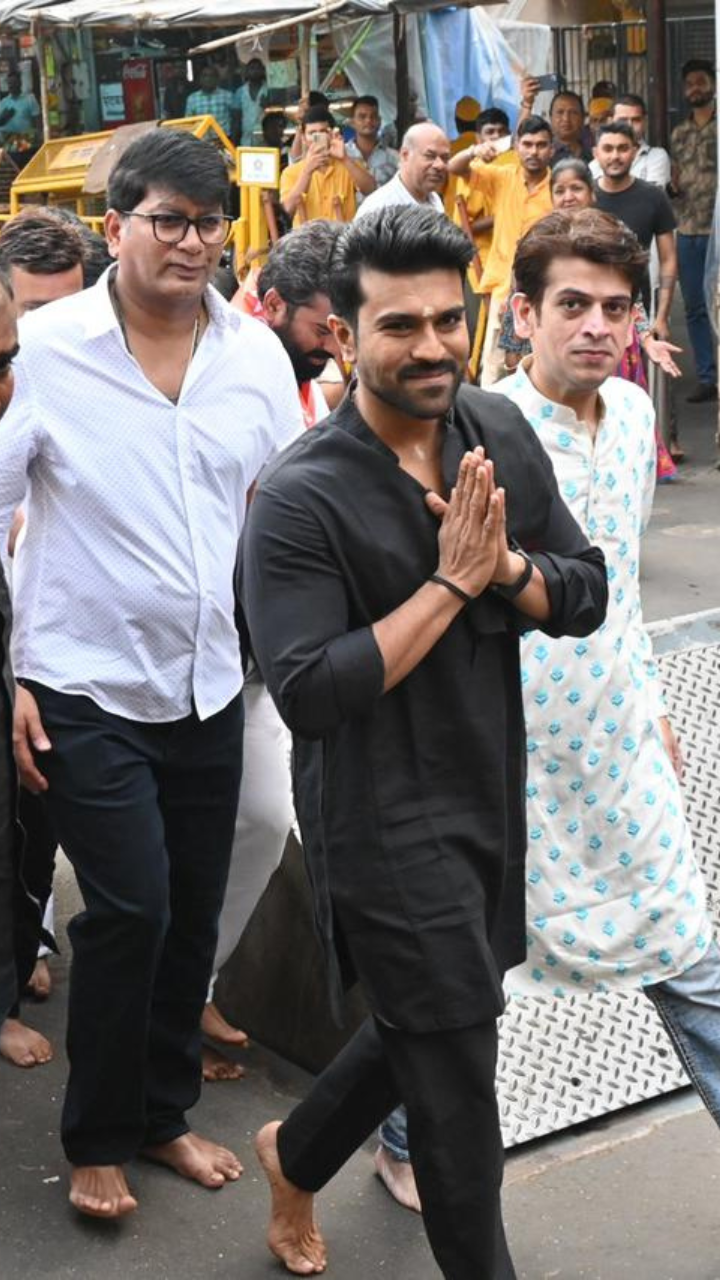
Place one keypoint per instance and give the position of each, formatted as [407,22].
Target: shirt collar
[541,407]
[348,418]
[100,316]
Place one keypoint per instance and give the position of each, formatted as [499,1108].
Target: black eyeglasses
[172,228]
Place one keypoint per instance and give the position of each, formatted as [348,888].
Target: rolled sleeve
[319,668]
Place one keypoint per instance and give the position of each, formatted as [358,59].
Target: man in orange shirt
[323,184]
[492,126]
[520,196]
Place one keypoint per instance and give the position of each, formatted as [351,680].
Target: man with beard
[385,590]
[519,196]
[643,207]
[693,150]
[292,298]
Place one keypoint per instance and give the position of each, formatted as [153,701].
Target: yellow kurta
[480,204]
[515,210]
[325,186]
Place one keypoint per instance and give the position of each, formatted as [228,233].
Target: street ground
[635,1195]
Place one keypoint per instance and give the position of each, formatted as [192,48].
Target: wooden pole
[402,73]
[252,33]
[40,53]
[304,59]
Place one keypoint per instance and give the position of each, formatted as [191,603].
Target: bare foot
[215,1066]
[23,1046]
[197,1158]
[215,1027]
[40,983]
[399,1179]
[293,1235]
[100,1190]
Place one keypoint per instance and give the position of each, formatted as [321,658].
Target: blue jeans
[689,1007]
[692,253]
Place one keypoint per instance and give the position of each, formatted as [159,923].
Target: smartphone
[503,144]
[321,142]
[548,82]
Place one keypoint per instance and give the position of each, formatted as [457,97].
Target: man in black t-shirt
[642,206]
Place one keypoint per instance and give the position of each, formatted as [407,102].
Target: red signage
[138,91]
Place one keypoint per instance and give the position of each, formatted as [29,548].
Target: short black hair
[534,124]
[97,256]
[631,100]
[365,100]
[298,266]
[40,242]
[319,115]
[698,64]
[492,115]
[617,126]
[173,160]
[393,240]
[567,93]
[318,99]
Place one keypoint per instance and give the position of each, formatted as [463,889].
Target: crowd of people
[220,557]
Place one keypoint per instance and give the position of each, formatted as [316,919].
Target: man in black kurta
[396,667]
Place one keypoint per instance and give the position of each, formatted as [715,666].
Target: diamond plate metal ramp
[573,1059]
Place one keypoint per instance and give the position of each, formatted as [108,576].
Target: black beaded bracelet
[457,591]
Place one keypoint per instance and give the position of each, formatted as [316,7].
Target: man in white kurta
[615,895]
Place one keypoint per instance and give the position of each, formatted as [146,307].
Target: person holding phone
[325,182]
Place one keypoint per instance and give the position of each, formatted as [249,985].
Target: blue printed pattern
[615,897]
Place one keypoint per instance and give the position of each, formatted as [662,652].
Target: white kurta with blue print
[615,897]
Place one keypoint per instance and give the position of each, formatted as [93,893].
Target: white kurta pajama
[615,897]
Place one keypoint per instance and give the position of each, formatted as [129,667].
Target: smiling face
[580,329]
[615,154]
[411,345]
[173,273]
[424,160]
[570,192]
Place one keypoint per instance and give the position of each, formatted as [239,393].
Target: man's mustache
[424,370]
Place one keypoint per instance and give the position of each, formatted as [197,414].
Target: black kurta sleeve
[318,669]
[573,569]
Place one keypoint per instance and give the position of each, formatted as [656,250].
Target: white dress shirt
[123,590]
[395,192]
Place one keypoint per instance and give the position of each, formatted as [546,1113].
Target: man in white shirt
[651,164]
[145,408]
[424,157]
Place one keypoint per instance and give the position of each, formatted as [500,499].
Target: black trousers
[447,1081]
[145,813]
[9,855]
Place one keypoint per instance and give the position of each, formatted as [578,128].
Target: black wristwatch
[513,589]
